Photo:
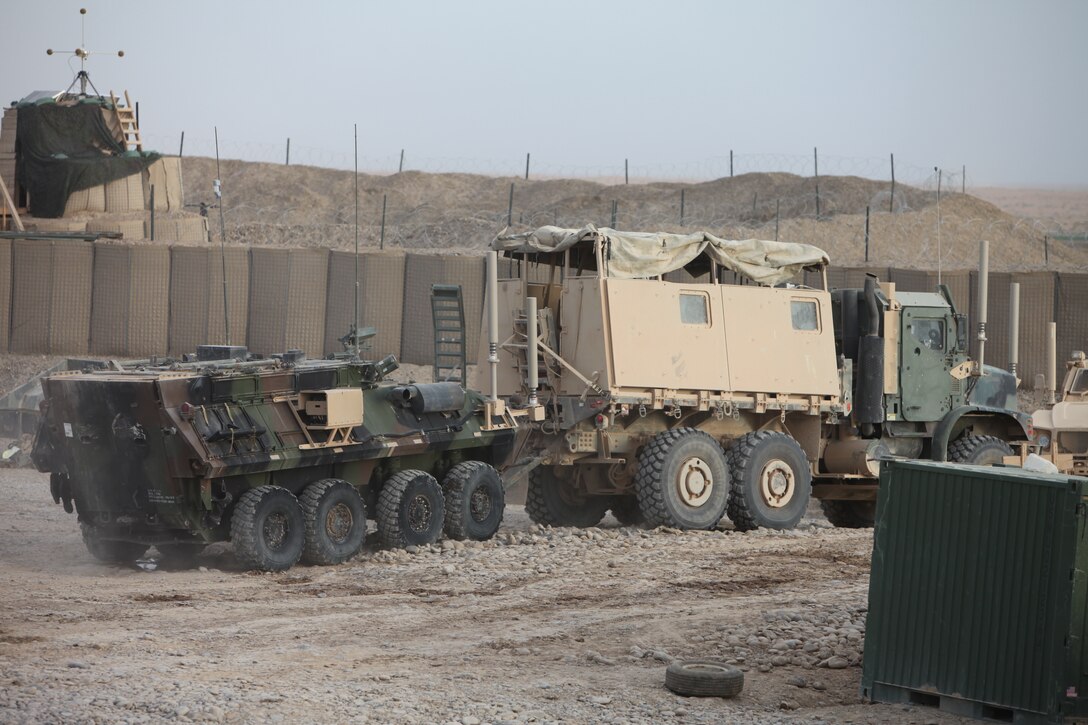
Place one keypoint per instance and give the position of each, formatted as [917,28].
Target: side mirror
[961,332]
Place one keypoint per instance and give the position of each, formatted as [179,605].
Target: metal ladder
[448,313]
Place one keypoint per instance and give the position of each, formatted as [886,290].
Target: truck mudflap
[956,419]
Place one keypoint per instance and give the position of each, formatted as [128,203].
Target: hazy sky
[997,85]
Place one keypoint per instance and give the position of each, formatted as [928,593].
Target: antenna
[217,188]
[83,54]
[355,326]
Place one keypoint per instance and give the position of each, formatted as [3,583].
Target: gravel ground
[539,625]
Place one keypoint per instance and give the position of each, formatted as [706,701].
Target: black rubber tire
[475,501]
[749,456]
[179,556]
[978,450]
[850,514]
[661,469]
[411,510]
[109,550]
[334,515]
[704,678]
[552,500]
[625,510]
[267,529]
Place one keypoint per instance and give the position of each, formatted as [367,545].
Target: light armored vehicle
[1061,431]
[675,401]
[285,457]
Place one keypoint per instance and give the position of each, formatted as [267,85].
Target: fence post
[816,172]
[614,206]
[381,240]
[755,198]
[401,167]
[152,233]
[181,146]
[963,180]
[866,233]
[681,207]
[730,163]
[510,206]
[626,177]
[287,159]
[891,200]
[777,202]
[1046,249]
[526,167]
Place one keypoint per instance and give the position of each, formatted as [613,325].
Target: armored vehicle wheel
[704,678]
[978,450]
[410,510]
[180,555]
[335,521]
[682,480]
[475,500]
[850,514]
[267,529]
[625,509]
[553,500]
[771,481]
[108,550]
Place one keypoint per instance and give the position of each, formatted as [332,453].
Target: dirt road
[552,625]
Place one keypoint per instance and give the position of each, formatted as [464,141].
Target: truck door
[924,363]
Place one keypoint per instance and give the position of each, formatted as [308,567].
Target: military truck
[675,401]
[285,457]
[1061,431]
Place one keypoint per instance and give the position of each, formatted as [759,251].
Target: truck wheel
[267,529]
[109,550]
[179,556]
[474,501]
[682,480]
[410,510]
[625,509]
[704,678]
[978,450]
[771,481]
[850,514]
[552,500]
[335,521]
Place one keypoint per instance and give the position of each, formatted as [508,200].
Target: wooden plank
[11,205]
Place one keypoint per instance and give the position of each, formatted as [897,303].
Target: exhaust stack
[493,322]
[983,300]
[1014,329]
[531,352]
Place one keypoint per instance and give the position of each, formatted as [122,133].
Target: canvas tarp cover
[64,148]
[648,254]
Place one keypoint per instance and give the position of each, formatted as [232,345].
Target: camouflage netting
[67,147]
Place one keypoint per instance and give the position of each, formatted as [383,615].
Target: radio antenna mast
[82,78]
[355,327]
[217,188]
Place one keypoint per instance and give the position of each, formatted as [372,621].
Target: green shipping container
[977,593]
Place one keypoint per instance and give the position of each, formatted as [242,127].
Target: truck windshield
[1080,382]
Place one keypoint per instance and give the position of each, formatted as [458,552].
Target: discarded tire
[704,678]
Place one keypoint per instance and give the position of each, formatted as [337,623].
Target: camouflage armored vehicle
[287,458]
[678,401]
[1061,431]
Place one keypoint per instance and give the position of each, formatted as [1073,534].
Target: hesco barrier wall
[111,299]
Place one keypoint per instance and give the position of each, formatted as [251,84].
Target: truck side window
[693,309]
[928,332]
[1080,382]
[804,315]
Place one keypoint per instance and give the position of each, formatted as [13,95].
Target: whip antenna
[217,187]
[355,327]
